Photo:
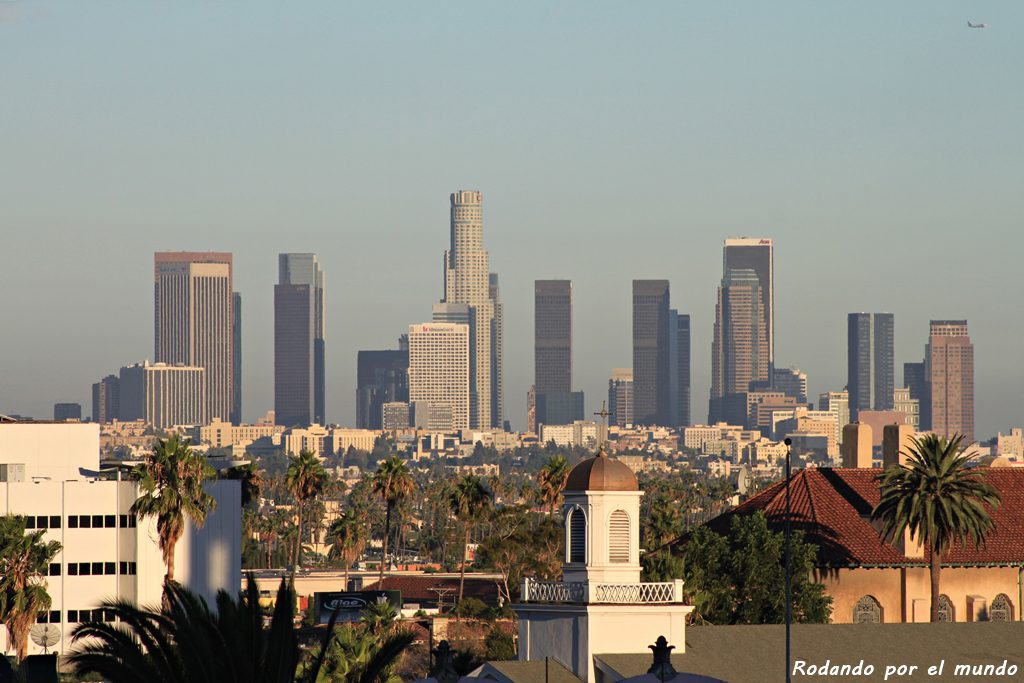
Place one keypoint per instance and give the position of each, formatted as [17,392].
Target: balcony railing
[602,593]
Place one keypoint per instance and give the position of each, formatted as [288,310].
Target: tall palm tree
[938,499]
[467,502]
[306,479]
[187,641]
[171,489]
[24,559]
[393,483]
[551,480]
[347,536]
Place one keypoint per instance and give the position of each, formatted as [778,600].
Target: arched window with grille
[618,537]
[946,612]
[867,611]
[1001,609]
[577,545]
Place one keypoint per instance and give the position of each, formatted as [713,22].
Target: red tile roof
[417,588]
[832,506]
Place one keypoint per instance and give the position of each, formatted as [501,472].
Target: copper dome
[601,473]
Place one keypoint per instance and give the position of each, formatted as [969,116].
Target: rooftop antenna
[602,435]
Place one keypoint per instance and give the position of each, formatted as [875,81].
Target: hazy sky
[880,144]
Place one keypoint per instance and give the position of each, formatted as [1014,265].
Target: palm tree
[357,655]
[551,480]
[171,489]
[467,501]
[251,481]
[938,499]
[306,478]
[347,536]
[379,616]
[24,559]
[393,483]
[187,641]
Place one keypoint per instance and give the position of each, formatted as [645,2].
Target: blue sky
[879,144]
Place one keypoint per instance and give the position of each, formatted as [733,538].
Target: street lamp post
[789,570]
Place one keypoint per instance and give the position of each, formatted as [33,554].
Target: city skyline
[730,148]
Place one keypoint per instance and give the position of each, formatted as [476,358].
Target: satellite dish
[44,635]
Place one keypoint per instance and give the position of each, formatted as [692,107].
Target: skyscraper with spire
[467,280]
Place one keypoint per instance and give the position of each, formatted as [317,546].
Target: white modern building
[162,395]
[579,433]
[49,474]
[439,365]
[600,606]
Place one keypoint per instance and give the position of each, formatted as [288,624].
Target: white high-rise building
[194,321]
[163,395]
[49,474]
[467,280]
[439,368]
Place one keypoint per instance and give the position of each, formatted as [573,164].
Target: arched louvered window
[1001,609]
[867,611]
[618,537]
[577,536]
[946,612]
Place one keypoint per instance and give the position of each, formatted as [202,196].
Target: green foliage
[938,499]
[24,559]
[499,646]
[468,500]
[186,641]
[251,482]
[393,483]
[740,579]
[354,654]
[306,479]
[522,543]
[171,482]
[473,608]
[551,480]
[379,616]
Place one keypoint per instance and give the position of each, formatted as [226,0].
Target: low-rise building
[50,474]
[580,433]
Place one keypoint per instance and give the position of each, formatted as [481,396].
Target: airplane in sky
[970,25]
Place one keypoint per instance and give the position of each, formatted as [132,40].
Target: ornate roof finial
[662,667]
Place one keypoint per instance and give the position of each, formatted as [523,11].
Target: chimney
[896,440]
[857,445]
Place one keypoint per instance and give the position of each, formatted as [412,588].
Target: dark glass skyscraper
[381,377]
[682,331]
[870,340]
[651,364]
[739,349]
[299,373]
[552,336]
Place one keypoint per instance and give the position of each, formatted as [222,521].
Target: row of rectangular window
[81,521]
[76,616]
[94,568]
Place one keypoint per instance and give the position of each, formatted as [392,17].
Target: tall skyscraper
[739,350]
[236,359]
[555,401]
[682,416]
[439,366]
[497,356]
[651,364]
[299,372]
[858,362]
[106,405]
[884,359]
[949,373]
[756,254]
[552,335]
[194,321]
[467,280]
[620,396]
[381,377]
[869,339]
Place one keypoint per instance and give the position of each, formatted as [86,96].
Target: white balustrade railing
[602,593]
